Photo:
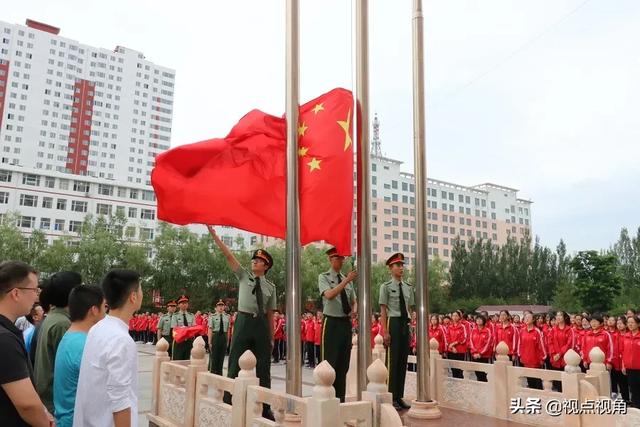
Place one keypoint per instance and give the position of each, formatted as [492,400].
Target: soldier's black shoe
[397,406]
[403,404]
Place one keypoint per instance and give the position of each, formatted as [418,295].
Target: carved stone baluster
[323,406]
[161,356]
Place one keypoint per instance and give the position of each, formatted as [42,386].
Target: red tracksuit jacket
[597,338]
[458,333]
[631,351]
[559,341]
[481,342]
[440,334]
[509,334]
[531,348]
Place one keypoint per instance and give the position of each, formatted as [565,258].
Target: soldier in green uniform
[396,298]
[164,324]
[253,328]
[218,328]
[182,350]
[338,298]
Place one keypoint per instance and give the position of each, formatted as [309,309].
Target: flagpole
[293,297]
[364,194]
[423,407]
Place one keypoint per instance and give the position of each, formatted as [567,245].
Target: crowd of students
[541,341]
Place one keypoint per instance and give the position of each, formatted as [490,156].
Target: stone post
[196,364]
[246,377]
[323,405]
[162,355]
[500,381]
[571,384]
[352,374]
[377,393]
[420,412]
[378,349]
[598,369]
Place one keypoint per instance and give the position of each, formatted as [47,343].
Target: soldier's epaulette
[326,273]
[388,283]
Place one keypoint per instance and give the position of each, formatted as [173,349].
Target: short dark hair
[598,317]
[13,273]
[81,299]
[118,284]
[60,286]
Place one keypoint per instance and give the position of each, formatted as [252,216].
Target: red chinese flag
[183,333]
[240,181]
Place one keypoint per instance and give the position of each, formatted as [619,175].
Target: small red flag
[240,180]
[183,333]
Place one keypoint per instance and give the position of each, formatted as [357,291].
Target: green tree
[13,245]
[597,280]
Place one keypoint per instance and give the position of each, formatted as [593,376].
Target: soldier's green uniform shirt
[247,298]
[165,324]
[390,296]
[214,322]
[178,319]
[333,307]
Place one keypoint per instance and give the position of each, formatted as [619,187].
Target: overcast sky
[543,96]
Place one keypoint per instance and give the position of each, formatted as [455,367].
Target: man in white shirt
[108,378]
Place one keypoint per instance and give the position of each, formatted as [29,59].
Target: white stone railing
[185,395]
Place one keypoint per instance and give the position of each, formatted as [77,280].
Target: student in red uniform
[516,322]
[507,332]
[318,334]
[631,359]
[560,339]
[132,328]
[531,351]
[303,326]
[597,337]
[309,339]
[481,345]
[437,331]
[458,340]
[278,336]
[619,384]
[376,329]
[446,322]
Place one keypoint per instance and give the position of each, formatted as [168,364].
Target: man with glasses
[20,405]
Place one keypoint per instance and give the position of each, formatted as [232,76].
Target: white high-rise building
[72,108]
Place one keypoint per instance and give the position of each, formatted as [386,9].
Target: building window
[493,205]
[146,233]
[78,206]
[105,190]
[133,194]
[5,176]
[149,196]
[28,200]
[147,214]
[59,225]
[49,182]
[130,232]
[4,197]
[133,213]
[103,209]
[47,202]
[27,221]
[30,179]
[75,226]
[80,186]
[45,223]
[61,204]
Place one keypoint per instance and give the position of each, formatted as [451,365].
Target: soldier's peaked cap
[183,298]
[331,252]
[263,255]
[397,257]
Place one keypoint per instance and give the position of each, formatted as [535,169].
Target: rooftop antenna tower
[376,144]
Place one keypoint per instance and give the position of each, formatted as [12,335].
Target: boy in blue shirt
[86,308]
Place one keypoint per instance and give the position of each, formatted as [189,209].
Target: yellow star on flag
[302,151]
[345,124]
[314,164]
[318,108]
[302,129]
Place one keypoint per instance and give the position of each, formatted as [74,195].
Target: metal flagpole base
[421,411]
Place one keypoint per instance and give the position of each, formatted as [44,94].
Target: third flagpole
[293,294]
[424,407]
[364,193]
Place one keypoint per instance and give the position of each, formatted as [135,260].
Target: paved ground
[450,417]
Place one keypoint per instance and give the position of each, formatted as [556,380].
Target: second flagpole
[293,291]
